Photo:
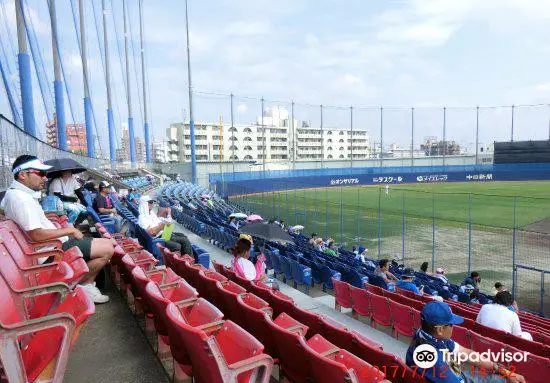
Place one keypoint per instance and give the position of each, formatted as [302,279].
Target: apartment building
[275,137]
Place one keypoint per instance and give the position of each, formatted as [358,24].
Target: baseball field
[483,226]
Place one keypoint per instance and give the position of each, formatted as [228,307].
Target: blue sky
[399,54]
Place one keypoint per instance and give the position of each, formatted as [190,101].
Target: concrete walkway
[112,348]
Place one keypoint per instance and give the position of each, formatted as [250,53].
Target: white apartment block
[278,139]
[160,152]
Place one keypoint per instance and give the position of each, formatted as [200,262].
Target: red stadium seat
[293,359]
[208,283]
[28,246]
[381,313]
[218,267]
[482,344]
[360,302]
[336,333]
[535,370]
[329,363]
[403,319]
[374,289]
[308,318]
[406,293]
[279,302]
[185,298]
[342,295]
[29,261]
[393,367]
[20,283]
[461,336]
[219,297]
[256,319]
[227,354]
[39,349]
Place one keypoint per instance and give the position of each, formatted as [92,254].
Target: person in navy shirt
[406,282]
[434,336]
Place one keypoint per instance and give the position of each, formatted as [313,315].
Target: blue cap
[408,273]
[439,314]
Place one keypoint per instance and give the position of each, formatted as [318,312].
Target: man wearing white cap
[20,204]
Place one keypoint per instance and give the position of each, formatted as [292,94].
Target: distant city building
[434,147]
[160,152]
[175,135]
[76,137]
[140,149]
[123,153]
[395,151]
[278,139]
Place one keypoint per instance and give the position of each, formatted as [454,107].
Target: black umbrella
[266,231]
[61,164]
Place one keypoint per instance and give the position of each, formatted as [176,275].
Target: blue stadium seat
[301,275]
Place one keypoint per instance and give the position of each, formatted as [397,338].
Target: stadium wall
[383,176]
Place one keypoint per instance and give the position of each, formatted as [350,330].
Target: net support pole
[412,136]
[58,84]
[381,136]
[351,140]
[110,118]
[477,135]
[514,232]
[143,79]
[469,232]
[512,124]
[379,221]
[25,79]
[87,102]
[131,135]
[433,231]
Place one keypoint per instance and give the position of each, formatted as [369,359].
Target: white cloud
[242,108]
[311,39]
[543,88]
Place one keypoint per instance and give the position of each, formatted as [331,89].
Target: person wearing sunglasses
[20,204]
[437,321]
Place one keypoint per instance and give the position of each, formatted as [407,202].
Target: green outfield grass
[483,204]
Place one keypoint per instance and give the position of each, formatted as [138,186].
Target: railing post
[403,227]
[315,208]
[469,233]
[433,231]
[357,211]
[326,211]
[514,276]
[341,215]
[295,211]
[379,223]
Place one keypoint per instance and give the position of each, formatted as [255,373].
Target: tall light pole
[87,102]
[25,79]
[128,91]
[145,120]
[190,86]
[110,119]
[58,84]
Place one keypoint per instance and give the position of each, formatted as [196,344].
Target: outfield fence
[504,238]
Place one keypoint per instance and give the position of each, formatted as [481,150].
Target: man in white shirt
[20,204]
[497,315]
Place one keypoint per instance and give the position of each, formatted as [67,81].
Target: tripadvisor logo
[425,356]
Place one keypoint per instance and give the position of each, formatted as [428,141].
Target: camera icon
[425,356]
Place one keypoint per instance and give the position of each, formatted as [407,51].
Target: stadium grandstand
[306,244]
